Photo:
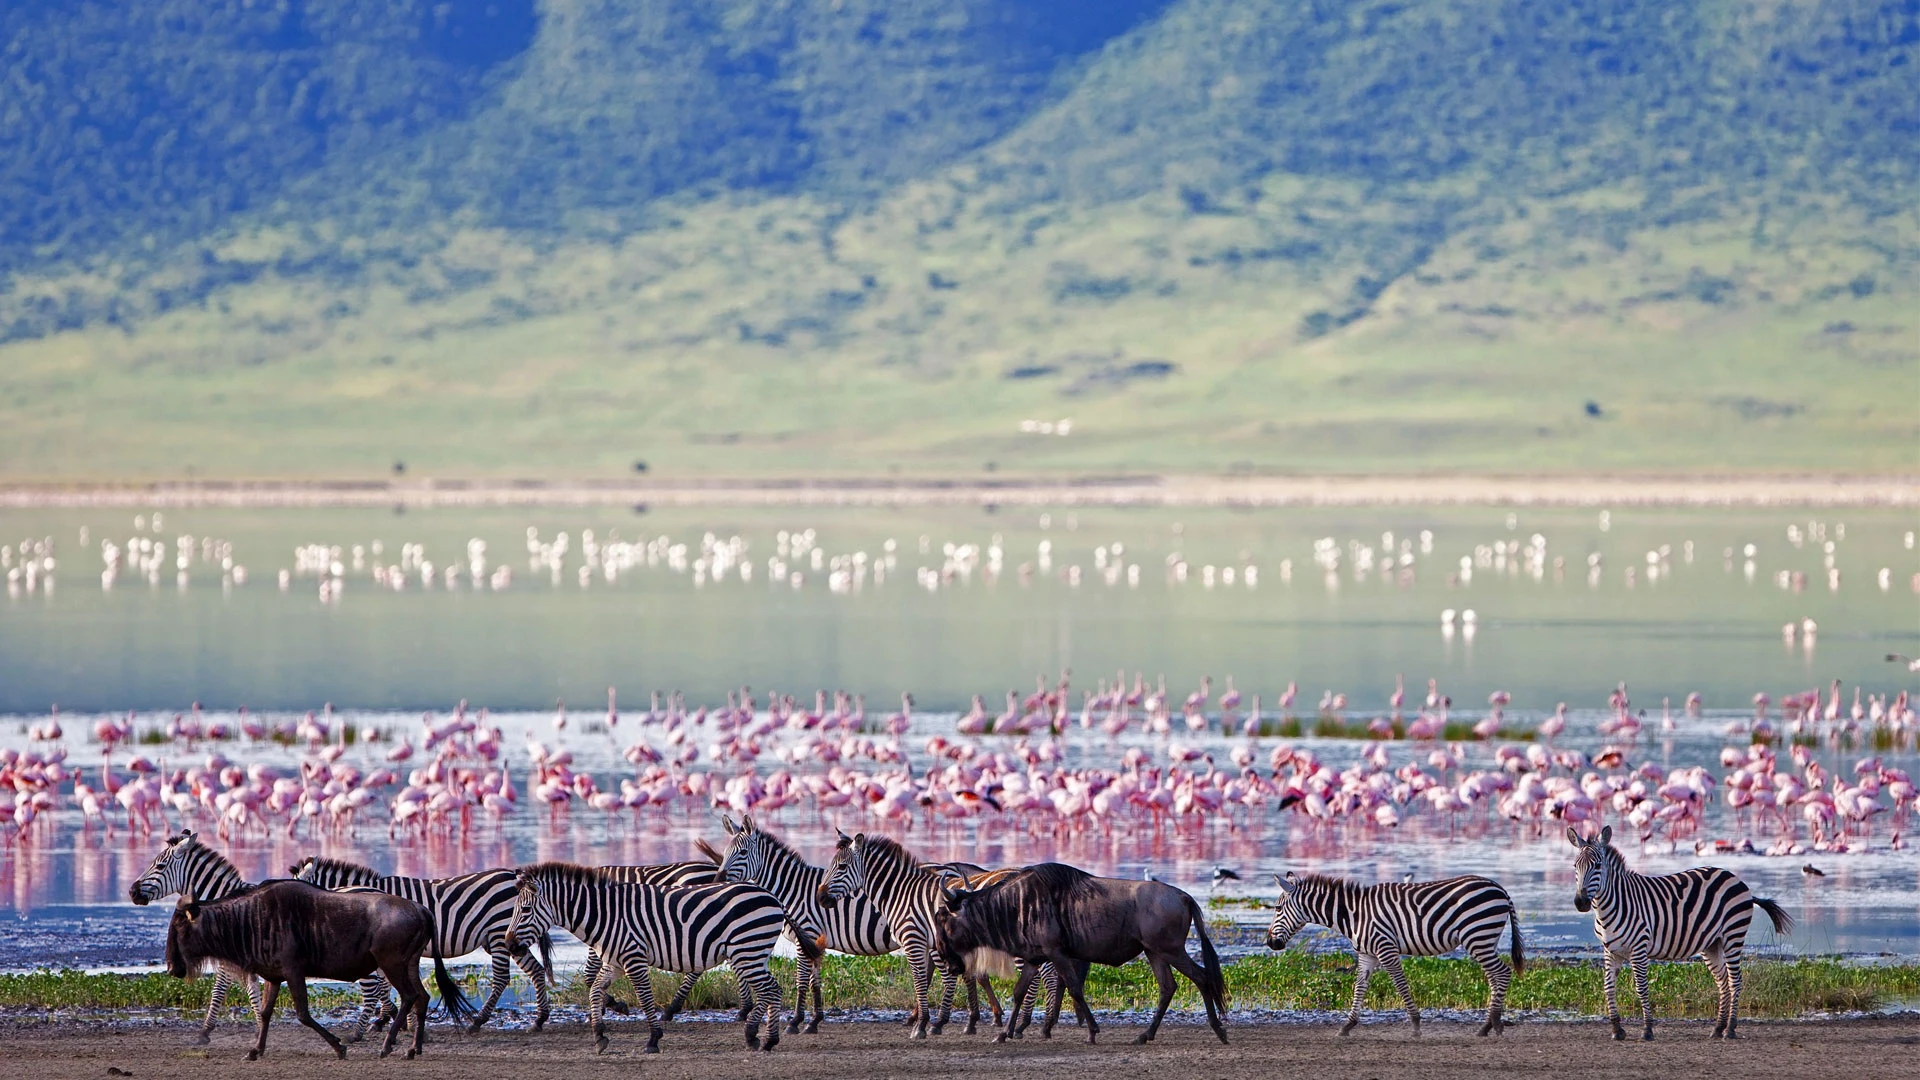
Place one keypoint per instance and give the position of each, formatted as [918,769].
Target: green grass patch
[1291,980]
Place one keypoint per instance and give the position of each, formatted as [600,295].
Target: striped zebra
[637,927]
[470,913]
[1639,918]
[676,875]
[1422,918]
[187,867]
[908,892]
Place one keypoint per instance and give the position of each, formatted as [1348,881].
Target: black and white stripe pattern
[1703,912]
[470,913]
[908,892]
[676,875]
[852,926]
[639,927]
[1387,922]
[186,867]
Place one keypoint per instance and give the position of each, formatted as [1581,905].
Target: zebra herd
[962,922]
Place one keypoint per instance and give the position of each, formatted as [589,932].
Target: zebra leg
[920,963]
[1733,992]
[949,982]
[1162,974]
[218,997]
[1717,965]
[501,973]
[1056,991]
[680,996]
[640,973]
[1641,972]
[1499,978]
[1362,974]
[543,993]
[592,971]
[1610,985]
[597,1006]
[753,975]
[373,999]
[803,976]
[819,976]
[1391,962]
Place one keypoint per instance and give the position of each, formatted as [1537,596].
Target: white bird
[1913,663]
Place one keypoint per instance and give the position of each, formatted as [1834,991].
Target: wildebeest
[290,931]
[1056,913]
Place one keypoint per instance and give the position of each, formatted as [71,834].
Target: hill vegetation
[319,237]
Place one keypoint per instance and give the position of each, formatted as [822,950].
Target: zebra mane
[195,849]
[886,847]
[565,872]
[781,847]
[343,866]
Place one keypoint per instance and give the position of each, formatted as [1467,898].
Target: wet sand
[1884,1046]
[1087,490]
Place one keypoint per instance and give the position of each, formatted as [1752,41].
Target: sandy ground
[1881,1047]
[1133,490]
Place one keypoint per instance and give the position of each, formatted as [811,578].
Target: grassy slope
[1203,192]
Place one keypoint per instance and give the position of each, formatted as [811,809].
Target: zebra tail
[1215,984]
[455,1002]
[709,852]
[546,954]
[1782,921]
[812,946]
[1518,953]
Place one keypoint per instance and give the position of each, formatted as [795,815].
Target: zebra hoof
[204,1039]
[474,1028]
[614,1004]
[650,1048]
[600,1044]
[1732,1034]
[1648,1036]
[1619,1033]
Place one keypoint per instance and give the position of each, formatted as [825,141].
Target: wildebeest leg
[297,986]
[1020,989]
[267,997]
[1185,965]
[405,977]
[542,981]
[1162,974]
[993,1002]
[639,972]
[1070,974]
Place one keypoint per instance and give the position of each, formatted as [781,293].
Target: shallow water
[1706,625]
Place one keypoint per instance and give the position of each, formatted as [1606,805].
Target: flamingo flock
[1025,768]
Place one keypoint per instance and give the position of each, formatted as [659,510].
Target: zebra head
[307,869]
[745,859]
[847,873]
[1595,857]
[533,913]
[170,869]
[1289,914]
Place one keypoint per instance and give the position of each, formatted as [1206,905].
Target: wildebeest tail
[1215,985]
[1519,954]
[1782,922]
[455,1002]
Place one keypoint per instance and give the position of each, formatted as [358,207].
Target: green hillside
[850,236]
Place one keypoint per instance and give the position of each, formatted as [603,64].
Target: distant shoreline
[1088,490]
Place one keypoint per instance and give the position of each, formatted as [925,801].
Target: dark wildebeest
[290,931]
[1052,913]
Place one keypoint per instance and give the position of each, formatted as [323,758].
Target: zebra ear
[1573,837]
[727,822]
[1606,835]
[845,840]
[746,823]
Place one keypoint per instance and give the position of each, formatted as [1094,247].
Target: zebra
[470,913]
[907,892]
[676,875]
[638,926]
[1640,918]
[1418,918]
[191,869]
[757,857]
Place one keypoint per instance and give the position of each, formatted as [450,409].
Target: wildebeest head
[1590,865]
[847,874]
[167,873]
[183,959]
[954,932]
[1289,914]
[532,913]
